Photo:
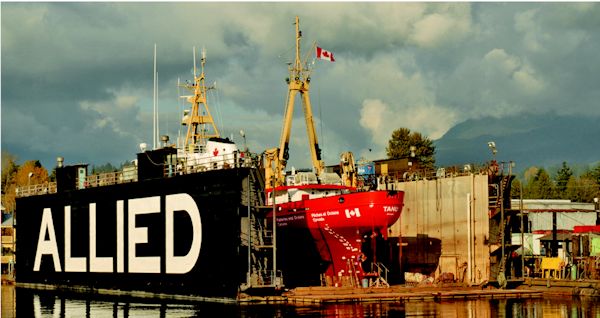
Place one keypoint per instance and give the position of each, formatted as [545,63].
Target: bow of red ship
[342,226]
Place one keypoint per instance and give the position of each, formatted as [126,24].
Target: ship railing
[423,174]
[36,189]
[244,159]
[109,178]
[382,275]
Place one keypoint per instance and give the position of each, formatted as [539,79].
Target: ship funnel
[59,162]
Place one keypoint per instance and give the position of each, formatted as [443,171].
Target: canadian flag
[324,55]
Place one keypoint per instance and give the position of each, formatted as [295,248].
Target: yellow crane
[348,169]
[298,82]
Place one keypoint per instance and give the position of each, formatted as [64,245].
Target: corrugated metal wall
[454,210]
[542,221]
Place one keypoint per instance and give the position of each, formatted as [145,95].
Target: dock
[562,287]
[321,295]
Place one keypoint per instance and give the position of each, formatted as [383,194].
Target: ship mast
[199,124]
[299,82]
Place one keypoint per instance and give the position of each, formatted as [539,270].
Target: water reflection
[31,303]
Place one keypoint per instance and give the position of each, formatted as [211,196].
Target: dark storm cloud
[77,77]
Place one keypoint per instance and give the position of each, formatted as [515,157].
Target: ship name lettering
[390,209]
[318,217]
[137,235]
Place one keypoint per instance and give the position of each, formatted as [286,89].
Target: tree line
[538,184]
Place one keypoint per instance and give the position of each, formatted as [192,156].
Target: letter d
[185,203]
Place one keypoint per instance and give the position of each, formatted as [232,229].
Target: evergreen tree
[593,174]
[582,189]
[540,186]
[401,141]
[562,177]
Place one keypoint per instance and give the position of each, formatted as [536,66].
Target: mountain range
[542,140]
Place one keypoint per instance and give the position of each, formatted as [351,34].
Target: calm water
[51,304]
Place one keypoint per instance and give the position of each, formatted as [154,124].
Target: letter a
[47,247]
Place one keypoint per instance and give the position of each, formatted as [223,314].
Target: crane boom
[298,82]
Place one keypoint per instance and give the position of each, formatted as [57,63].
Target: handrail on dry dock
[109,178]
[129,174]
[35,189]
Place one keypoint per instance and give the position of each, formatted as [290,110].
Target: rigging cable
[217,99]
[180,108]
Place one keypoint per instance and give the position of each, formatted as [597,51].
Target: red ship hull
[338,225]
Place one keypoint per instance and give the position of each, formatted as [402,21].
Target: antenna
[154,134]
[194,52]
[157,121]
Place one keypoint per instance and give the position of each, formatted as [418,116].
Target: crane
[298,82]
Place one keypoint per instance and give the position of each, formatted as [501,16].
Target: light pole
[492,146]
[500,195]
[29,178]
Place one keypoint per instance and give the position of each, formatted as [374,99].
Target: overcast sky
[77,77]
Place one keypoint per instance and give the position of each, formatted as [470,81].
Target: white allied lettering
[141,264]
[120,238]
[47,247]
[97,264]
[182,202]
[72,264]
[120,260]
